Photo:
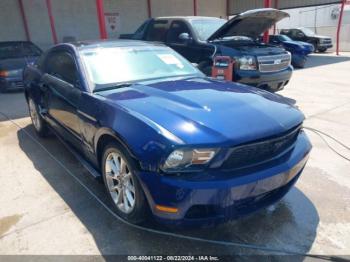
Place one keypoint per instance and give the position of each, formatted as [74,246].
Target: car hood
[251,23]
[321,36]
[208,111]
[16,63]
[258,49]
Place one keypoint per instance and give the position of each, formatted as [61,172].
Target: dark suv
[320,43]
[199,39]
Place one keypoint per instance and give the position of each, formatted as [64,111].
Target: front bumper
[11,83]
[325,45]
[271,81]
[224,196]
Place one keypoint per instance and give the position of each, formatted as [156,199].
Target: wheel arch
[105,136]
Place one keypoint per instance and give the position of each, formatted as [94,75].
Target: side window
[274,39]
[158,31]
[141,28]
[286,32]
[296,33]
[62,66]
[299,33]
[176,29]
[31,50]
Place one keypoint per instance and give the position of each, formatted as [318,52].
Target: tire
[39,123]
[322,49]
[315,47]
[122,185]
[300,62]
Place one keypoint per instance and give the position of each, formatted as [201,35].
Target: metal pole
[195,7]
[24,19]
[101,19]
[149,8]
[315,22]
[52,21]
[228,9]
[274,26]
[339,24]
[267,4]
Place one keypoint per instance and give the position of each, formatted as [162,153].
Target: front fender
[144,142]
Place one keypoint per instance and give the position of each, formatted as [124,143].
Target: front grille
[255,153]
[19,84]
[273,63]
[326,41]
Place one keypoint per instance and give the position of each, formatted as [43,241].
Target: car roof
[189,18]
[113,43]
[13,42]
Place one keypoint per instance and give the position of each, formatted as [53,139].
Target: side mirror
[300,34]
[185,37]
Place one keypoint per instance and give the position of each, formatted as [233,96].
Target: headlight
[4,73]
[182,158]
[247,63]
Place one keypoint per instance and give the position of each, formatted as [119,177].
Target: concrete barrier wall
[11,24]
[171,7]
[131,14]
[38,22]
[77,19]
[212,8]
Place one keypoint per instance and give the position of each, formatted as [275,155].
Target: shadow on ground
[315,60]
[289,225]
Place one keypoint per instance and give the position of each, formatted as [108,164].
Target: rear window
[18,50]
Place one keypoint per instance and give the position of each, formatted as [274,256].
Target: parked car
[299,50]
[14,56]
[199,39]
[320,43]
[163,136]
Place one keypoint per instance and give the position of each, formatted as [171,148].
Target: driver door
[298,35]
[187,48]
[62,83]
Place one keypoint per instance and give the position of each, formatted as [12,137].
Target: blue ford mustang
[164,137]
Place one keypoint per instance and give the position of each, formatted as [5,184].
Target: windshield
[18,50]
[204,28]
[284,38]
[113,65]
[307,31]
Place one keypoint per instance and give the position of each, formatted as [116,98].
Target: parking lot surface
[49,204]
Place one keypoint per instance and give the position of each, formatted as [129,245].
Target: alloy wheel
[120,182]
[34,115]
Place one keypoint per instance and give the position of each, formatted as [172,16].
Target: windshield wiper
[114,86]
